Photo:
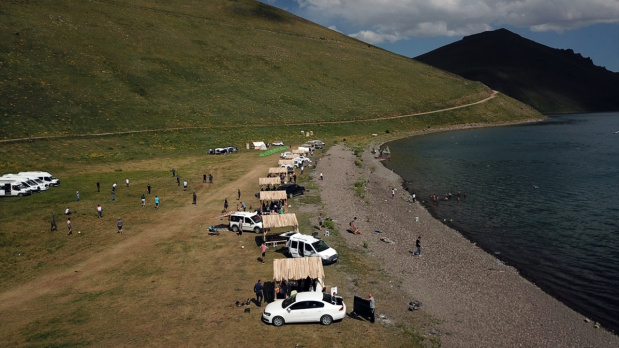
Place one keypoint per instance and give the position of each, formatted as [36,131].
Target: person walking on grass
[127,182]
[263,249]
[185,185]
[54,227]
[143,201]
[194,197]
[148,188]
[258,291]
[69,227]
[238,191]
[119,223]
[98,186]
[156,202]
[204,178]
[99,211]
[418,245]
[77,193]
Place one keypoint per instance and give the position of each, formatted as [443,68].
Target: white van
[25,182]
[36,183]
[12,188]
[301,245]
[245,221]
[45,176]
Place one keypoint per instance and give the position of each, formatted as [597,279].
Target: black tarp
[361,307]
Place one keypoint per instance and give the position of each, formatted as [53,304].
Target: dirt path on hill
[166,224]
[491,96]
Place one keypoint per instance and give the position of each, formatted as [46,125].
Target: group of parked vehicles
[26,183]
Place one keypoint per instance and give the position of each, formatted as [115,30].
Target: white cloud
[377,21]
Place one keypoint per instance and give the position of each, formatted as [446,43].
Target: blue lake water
[543,198]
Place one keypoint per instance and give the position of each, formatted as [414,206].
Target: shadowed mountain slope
[550,80]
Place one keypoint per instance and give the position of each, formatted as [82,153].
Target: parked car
[305,307]
[302,245]
[317,144]
[285,154]
[246,221]
[302,161]
[277,143]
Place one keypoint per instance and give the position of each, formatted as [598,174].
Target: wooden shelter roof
[278,170]
[294,155]
[270,181]
[285,161]
[279,220]
[272,195]
[298,268]
[299,151]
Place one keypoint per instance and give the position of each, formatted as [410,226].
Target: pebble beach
[469,297]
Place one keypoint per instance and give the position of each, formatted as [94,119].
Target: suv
[292,189]
[301,161]
[301,245]
[245,221]
[317,144]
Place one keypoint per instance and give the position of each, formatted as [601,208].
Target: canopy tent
[298,268]
[269,181]
[293,155]
[277,171]
[286,161]
[273,195]
[280,220]
[259,145]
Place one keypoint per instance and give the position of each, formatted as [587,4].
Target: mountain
[80,67]
[548,79]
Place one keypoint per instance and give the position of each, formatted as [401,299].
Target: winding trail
[492,95]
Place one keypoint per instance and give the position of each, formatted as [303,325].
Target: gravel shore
[473,299]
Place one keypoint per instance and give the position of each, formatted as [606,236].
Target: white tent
[259,145]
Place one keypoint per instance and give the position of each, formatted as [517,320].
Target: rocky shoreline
[470,299]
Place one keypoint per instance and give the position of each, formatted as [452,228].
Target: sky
[414,27]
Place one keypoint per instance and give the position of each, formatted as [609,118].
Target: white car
[302,161]
[285,154]
[305,307]
[277,143]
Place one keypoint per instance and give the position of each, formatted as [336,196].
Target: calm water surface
[543,198]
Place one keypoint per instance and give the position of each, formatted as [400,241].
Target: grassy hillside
[76,67]
[550,80]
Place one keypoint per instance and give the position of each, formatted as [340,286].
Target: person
[173,172]
[67,211]
[238,193]
[178,180]
[114,187]
[320,176]
[258,291]
[372,307]
[77,193]
[54,226]
[113,195]
[263,249]
[294,177]
[69,226]
[148,188]
[210,178]
[156,202]
[98,186]
[392,192]
[418,245]
[320,221]
[127,182]
[283,289]
[244,206]
[204,178]
[414,197]
[99,211]
[119,223]
[185,185]
[225,205]
[194,197]
[353,227]
[143,201]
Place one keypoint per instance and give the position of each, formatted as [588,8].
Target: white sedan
[305,307]
[278,143]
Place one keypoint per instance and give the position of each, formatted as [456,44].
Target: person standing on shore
[372,307]
[418,245]
[392,192]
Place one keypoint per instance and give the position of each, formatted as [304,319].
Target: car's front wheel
[235,228]
[257,230]
[278,321]
[290,195]
[326,320]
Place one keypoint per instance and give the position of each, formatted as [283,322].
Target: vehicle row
[26,183]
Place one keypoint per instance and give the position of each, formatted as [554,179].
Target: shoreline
[475,299]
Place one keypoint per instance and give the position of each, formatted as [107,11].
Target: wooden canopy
[280,220]
[293,155]
[286,161]
[298,268]
[270,181]
[278,170]
[300,151]
[273,195]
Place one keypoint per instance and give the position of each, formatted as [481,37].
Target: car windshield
[320,246]
[287,302]
[256,218]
